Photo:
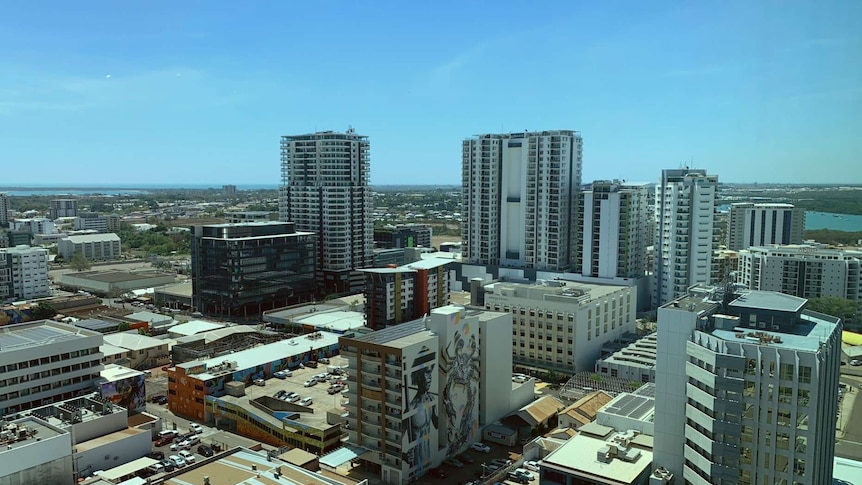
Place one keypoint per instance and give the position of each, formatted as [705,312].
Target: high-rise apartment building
[228,190]
[746,388]
[806,271]
[43,362]
[325,190]
[520,199]
[4,210]
[244,269]
[615,220]
[752,224]
[421,391]
[403,236]
[63,208]
[684,242]
[398,295]
[27,270]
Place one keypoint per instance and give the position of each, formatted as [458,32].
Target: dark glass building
[240,270]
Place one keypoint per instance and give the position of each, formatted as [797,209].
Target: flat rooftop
[582,292]
[338,320]
[36,334]
[579,455]
[245,467]
[95,324]
[807,335]
[34,430]
[194,327]
[264,354]
[769,300]
[640,353]
[119,276]
[134,341]
[114,372]
[180,289]
[397,336]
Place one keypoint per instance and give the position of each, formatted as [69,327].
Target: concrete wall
[114,453]
[48,461]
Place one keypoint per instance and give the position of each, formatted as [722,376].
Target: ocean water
[837,222]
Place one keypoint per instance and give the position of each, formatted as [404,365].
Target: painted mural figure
[424,404]
[462,369]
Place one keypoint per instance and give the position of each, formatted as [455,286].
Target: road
[849,443]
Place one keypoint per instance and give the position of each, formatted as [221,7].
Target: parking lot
[473,471]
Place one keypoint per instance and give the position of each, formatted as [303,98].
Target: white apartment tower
[752,224]
[27,272]
[520,203]
[684,214]
[324,184]
[745,390]
[615,221]
[803,270]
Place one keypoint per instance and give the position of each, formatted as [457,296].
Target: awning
[341,456]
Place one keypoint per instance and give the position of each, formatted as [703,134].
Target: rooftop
[556,290]
[36,334]
[397,336]
[73,411]
[429,263]
[580,457]
[193,327]
[214,335]
[118,276]
[114,372]
[149,317]
[180,289]
[95,324]
[133,341]
[769,300]
[632,405]
[807,335]
[26,431]
[640,353]
[585,409]
[264,354]
[337,320]
[109,236]
[245,467]
[108,350]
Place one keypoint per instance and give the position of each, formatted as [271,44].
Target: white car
[525,473]
[187,456]
[310,382]
[531,465]
[856,362]
[292,397]
[481,447]
[196,428]
[178,461]
[306,401]
[182,445]
[259,382]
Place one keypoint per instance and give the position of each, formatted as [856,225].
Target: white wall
[115,453]
[54,453]
[495,354]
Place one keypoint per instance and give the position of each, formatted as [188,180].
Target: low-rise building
[33,451]
[43,362]
[124,387]
[561,325]
[36,225]
[108,282]
[583,411]
[193,327]
[600,455]
[94,247]
[635,361]
[143,352]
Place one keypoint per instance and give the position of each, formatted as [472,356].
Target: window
[805,374]
[786,371]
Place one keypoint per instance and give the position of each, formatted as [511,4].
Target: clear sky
[168,92]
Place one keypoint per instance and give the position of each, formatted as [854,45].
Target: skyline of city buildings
[684,234]
[325,190]
[520,199]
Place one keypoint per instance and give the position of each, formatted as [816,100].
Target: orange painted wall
[186,394]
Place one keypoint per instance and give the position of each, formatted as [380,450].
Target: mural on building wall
[459,368]
[421,423]
[130,393]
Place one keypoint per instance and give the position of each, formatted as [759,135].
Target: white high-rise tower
[684,242]
[520,201]
[324,189]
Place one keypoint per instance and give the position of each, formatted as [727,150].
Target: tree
[123,327]
[835,306]
[79,262]
[42,311]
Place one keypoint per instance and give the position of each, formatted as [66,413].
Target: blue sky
[167,92]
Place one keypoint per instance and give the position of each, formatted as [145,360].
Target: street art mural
[130,393]
[459,370]
[421,417]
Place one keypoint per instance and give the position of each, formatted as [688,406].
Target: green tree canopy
[43,311]
[835,306]
[79,262]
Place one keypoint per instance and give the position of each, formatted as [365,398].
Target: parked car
[481,447]
[169,465]
[205,450]
[163,400]
[155,399]
[531,465]
[502,462]
[292,397]
[165,440]
[323,360]
[526,473]
[196,428]
[856,362]
[310,382]
[307,401]
[282,374]
[321,377]
[259,382]
[454,462]
[335,389]
[156,467]
[312,364]
[180,445]
[156,455]
[178,461]
[193,440]
[279,394]
[188,456]
[518,478]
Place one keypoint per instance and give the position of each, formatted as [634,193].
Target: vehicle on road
[481,447]
[163,400]
[158,397]
[205,450]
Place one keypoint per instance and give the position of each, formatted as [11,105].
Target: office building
[43,362]
[403,236]
[751,224]
[386,258]
[27,272]
[325,190]
[684,242]
[90,221]
[94,247]
[6,287]
[4,209]
[63,208]
[423,390]
[746,389]
[241,217]
[35,225]
[806,271]
[562,326]
[398,295]
[520,199]
[229,190]
[33,451]
[615,220]
[244,269]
